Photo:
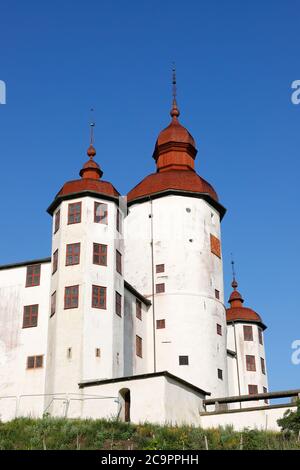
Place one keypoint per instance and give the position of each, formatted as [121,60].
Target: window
[160,268]
[252,389]
[55,262]
[160,288]
[100,213]
[183,360]
[99,297]
[138,306]
[100,254]
[217,294]
[260,336]
[250,363]
[53,303]
[118,304]
[265,390]
[160,324]
[263,366]
[118,262]
[220,374]
[57,221]
[74,213]
[97,352]
[139,346]
[219,329]
[30,316]
[215,246]
[69,353]
[248,333]
[119,221]
[33,275]
[71,296]
[34,362]
[73,254]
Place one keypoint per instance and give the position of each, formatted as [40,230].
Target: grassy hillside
[50,433]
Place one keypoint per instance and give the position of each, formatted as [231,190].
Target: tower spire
[174,111]
[234,282]
[91,151]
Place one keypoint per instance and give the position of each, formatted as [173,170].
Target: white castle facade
[127,318]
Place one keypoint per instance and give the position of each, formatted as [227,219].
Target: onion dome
[238,313]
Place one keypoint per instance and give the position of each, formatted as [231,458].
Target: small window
[69,353]
[55,262]
[30,316]
[73,254]
[217,294]
[250,363]
[263,366]
[138,305]
[265,390]
[100,254]
[139,346]
[71,296]
[183,360]
[160,288]
[99,297]
[34,362]
[118,304]
[118,262]
[160,324]
[220,374]
[215,246]
[57,221]
[219,329]
[248,333]
[33,275]
[160,268]
[53,303]
[97,352]
[252,389]
[74,213]
[260,336]
[119,221]
[100,213]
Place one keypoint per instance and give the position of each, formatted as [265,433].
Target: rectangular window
[265,390]
[97,352]
[118,304]
[219,329]
[119,221]
[160,288]
[138,306]
[139,346]
[30,316]
[252,389]
[73,254]
[118,262]
[263,366]
[74,213]
[100,254]
[215,245]
[250,363]
[69,353]
[33,275]
[55,262]
[34,362]
[160,324]
[217,294]
[183,360]
[57,221]
[260,336]
[160,268]
[100,213]
[248,333]
[53,303]
[99,297]
[71,296]
[220,374]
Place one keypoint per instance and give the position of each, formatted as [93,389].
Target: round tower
[173,256]
[87,287]
[247,366]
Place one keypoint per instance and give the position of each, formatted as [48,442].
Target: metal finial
[234,282]
[92,125]
[174,111]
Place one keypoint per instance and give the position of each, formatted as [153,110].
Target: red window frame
[160,268]
[55,262]
[118,262]
[160,324]
[72,254]
[219,329]
[250,363]
[100,213]
[215,245]
[99,254]
[263,365]
[30,316]
[248,332]
[99,297]
[57,221]
[252,389]
[71,299]
[260,336]
[138,309]
[160,288]
[118,304]
[33,275]
[139,346]
[35,362]
[74,213]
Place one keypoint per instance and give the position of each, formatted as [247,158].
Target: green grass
[52,433]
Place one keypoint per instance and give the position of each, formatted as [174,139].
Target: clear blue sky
[235,64]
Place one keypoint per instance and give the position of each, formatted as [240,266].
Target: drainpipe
[237,361]
[153,285]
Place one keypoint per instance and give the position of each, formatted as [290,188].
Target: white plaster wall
[181,241]
[183,405]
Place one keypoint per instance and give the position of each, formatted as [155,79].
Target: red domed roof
[175,132]
[237,312]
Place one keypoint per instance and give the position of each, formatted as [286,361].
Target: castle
[127,318]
